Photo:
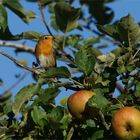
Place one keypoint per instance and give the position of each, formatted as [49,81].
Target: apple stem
[103,120]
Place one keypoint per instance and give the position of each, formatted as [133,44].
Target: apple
[126,123]
[77,103]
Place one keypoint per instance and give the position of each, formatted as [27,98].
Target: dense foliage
[34,114]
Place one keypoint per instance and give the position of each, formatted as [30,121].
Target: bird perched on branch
[44,52]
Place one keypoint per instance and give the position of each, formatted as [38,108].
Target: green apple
[77,103]
[126,123]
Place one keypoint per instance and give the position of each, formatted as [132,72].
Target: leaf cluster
[34,113]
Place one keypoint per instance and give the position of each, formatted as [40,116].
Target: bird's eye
[45,37]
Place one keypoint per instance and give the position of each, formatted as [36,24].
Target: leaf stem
[103,120]
[136,53]
[70,133]
[119,102]
[64,39]
[76,82]
[51,104]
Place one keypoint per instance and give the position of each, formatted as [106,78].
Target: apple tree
[33,113]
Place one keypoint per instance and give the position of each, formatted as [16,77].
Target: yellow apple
[77,103]
[126,123]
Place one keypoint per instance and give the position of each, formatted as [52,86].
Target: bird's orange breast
[44,47]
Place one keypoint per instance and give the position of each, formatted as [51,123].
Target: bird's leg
[34,64]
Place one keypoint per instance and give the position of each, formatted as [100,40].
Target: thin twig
[17,46]
[74,71]
[52,105]
[122,105]
[16,83]
[67,85]
[76,82]
[70,134]
[33,70]
[136,53]
[43,17]
[119,87]
[103,120]
[68,57]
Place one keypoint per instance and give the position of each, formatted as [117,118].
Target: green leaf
[60,72]
[28,138]
[98,101]
[85,60]
[4,98]
[90,41]
[63,101]
[99,11]
[24,95]
[53,23]
[45,95]
[30,35]
[65,121]
[137,93]
[55,116]
[97,52]
[7,107]
[38,116]
[123,62]
[73,40]
[117,51]
[18,9]
[90,123]
[113,108]
[66,16]
[98,135]
[3,19]
[7,35]
[111,30]
[129,31]
[44,2]
[107,58]
[125,31]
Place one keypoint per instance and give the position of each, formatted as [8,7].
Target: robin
[44,51]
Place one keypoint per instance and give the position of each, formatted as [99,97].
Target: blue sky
[9,69]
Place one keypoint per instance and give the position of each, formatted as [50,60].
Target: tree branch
[33,70]
[43,17]
[17,46]
[68,57]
